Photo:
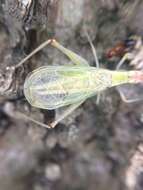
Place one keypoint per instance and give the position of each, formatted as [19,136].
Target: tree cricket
[52,87]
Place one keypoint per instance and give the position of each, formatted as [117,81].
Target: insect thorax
[100,79]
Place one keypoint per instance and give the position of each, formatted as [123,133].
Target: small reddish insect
[129,50]
[121,48]
[117,51]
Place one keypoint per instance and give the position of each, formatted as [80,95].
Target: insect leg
[125,99]
[34,52]
[9,110]
[127,56]
[76,59]
[98,98]
[93,49]
[24,116]
[19,115]
[96,61]
[66,112]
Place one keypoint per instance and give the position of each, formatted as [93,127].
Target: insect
[52,87]
[130,49]
[117,51]
[123,47]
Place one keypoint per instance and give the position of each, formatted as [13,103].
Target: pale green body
[51,87]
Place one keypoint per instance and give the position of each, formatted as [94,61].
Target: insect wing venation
[52,87]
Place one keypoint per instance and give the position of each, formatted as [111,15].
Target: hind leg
[9,110]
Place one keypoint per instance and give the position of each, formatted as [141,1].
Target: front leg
[127,56]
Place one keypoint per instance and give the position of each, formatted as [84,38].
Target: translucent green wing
[52,87]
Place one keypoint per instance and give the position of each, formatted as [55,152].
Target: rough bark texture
[94,148]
